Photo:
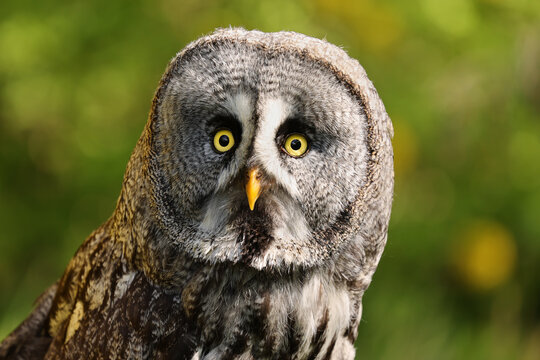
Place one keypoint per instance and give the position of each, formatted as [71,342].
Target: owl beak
[253,187]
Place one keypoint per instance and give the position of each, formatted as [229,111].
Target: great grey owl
[253,213]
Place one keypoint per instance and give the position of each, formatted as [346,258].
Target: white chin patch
[290,223]
[289,229]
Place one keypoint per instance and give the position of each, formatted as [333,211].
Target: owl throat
[254,236]
[247,315]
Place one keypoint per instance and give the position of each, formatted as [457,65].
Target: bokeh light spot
[484,255]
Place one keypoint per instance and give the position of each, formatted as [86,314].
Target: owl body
[253,213]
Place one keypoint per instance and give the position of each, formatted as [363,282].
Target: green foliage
[460,79]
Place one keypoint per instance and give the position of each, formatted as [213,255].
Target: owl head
[272,150]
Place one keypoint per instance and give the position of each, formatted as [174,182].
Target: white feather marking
[285,228]
[123,284]
[309,311]
[197,355]
[338,312]
[319,295]
[266,152]
[241,106]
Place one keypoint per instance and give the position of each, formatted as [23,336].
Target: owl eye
[223,140]
[296,145]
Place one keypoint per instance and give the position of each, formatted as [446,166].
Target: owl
[253,213]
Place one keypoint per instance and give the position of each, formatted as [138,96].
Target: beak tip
[252,199]
[253,188]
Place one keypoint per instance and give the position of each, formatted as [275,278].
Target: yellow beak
[253,187]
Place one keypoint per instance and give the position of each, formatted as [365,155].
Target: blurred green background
[460,277]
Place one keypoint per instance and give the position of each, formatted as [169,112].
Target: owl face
[258,155]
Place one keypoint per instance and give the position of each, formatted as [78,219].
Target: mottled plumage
[184,269]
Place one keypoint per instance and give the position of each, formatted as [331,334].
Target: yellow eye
[296,145]
[223,141]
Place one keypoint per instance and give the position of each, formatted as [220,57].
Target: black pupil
[296,144]
[224,140]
